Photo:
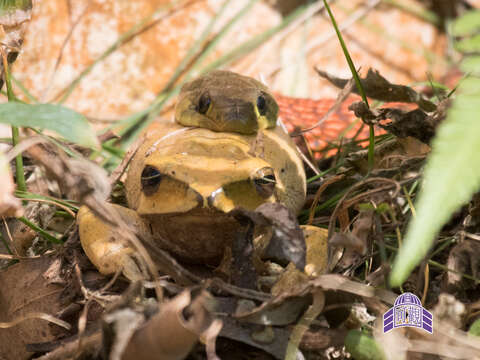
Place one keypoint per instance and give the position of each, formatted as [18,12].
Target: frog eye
[204,104]
[265,182]
[150,180]
[262,105]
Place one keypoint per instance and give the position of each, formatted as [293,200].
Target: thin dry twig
[35,315]
[319,193]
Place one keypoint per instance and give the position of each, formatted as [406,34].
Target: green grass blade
[358,83]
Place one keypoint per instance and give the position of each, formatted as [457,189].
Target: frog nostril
[150,180]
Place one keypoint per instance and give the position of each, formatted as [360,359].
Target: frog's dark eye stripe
[204,104]
[150,180]
[262,105]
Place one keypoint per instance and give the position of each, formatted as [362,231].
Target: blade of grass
[371,145]
[40,231]
[31,196]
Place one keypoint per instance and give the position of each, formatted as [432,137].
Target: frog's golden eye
[262,105]
[265,182]
[204,103]
[150,180]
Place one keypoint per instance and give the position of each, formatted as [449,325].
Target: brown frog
[183,181]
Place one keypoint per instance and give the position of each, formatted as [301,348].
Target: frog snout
[240,111]
[237,116]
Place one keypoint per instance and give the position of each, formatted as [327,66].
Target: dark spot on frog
[283,170]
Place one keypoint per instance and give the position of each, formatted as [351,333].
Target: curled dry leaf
[415,123]
[286,243]
[10,206]
[379,88]
[172,332]
[354,243]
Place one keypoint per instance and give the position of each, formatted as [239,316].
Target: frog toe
[105,247]
[317,249]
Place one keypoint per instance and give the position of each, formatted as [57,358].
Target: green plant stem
[15,131]
[21,185]
[371,146]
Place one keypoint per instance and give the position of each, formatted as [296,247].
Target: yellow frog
[183,181]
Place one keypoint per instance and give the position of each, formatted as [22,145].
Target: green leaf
[452,175]
[468,24]
[65,122]
[12,5]
[475,328]
[469,45]
[362,346]
[471,65]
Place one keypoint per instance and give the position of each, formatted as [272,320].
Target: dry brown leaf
[28,292]
[379,88]
[173,331]
[287,243]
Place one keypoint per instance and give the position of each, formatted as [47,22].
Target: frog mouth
[196,236]
[198,212]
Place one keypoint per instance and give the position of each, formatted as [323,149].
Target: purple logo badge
[408,311]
